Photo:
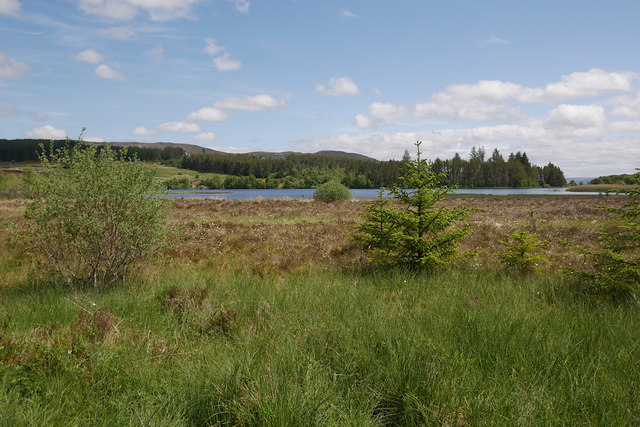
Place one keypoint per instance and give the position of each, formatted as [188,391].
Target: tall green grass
[321,347]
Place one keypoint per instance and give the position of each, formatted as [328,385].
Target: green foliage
[418,234]
[624,179]
[3,184]
[178,184]
[616,268]
[332,191]
[93,215]
[324,347]
[522,253]
[212,183]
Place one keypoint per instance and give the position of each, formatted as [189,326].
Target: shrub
[418,234]
[522,254]
[93,214]
[616,267]
[178,184]
[331,191]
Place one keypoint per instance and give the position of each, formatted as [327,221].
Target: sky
[559,80]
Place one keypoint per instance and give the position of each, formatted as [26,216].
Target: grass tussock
[261,314]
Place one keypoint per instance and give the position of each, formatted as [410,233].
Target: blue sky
[558,79]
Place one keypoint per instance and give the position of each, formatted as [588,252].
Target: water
[307,193]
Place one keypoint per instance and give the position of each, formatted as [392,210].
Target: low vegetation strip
[602,188]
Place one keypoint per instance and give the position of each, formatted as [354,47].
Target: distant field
[600,188]
[168,172]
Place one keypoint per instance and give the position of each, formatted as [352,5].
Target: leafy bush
[332,191]
[418,233]
[178,184]
[213,183]
[616,268]
[93,215]
[522,254]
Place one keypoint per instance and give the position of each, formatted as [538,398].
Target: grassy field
[264,312]
[601,188]
[168,172]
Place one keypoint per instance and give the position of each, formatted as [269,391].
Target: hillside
[189,148]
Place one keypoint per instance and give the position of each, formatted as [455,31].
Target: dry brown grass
[273,236]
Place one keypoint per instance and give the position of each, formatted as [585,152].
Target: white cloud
[9,7]
[90,56]
[345,13]
[212,48]
[225,63]
[120,33]
[376,91]
[241,5]
[141,130]
[577,116]
[493,100]
[381,114]
[12,69]
[46,132]
[580,85]
[208,114]
[364,122]
[157,52]
[625,106]
[576,121]
[107,72]
[158,10]
[338,86]
[204,137]
[575,85]
[624,126]
[252,103]
[178,127]
[7,111]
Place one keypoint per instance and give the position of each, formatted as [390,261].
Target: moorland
[267,312]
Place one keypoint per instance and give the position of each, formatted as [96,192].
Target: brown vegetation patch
[96,327]
[267,236]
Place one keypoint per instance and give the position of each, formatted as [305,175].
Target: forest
[310,170]
[299,170]
[26,150]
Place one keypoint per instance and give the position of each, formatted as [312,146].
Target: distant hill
[196,149]
[26,149]
[284,154]
[189,148]
[354,156]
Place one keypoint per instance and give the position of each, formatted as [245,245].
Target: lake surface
[307,193]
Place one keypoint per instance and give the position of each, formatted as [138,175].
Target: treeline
[623,179]
[311,170]
[25,150]
[481,172]
[295,170]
